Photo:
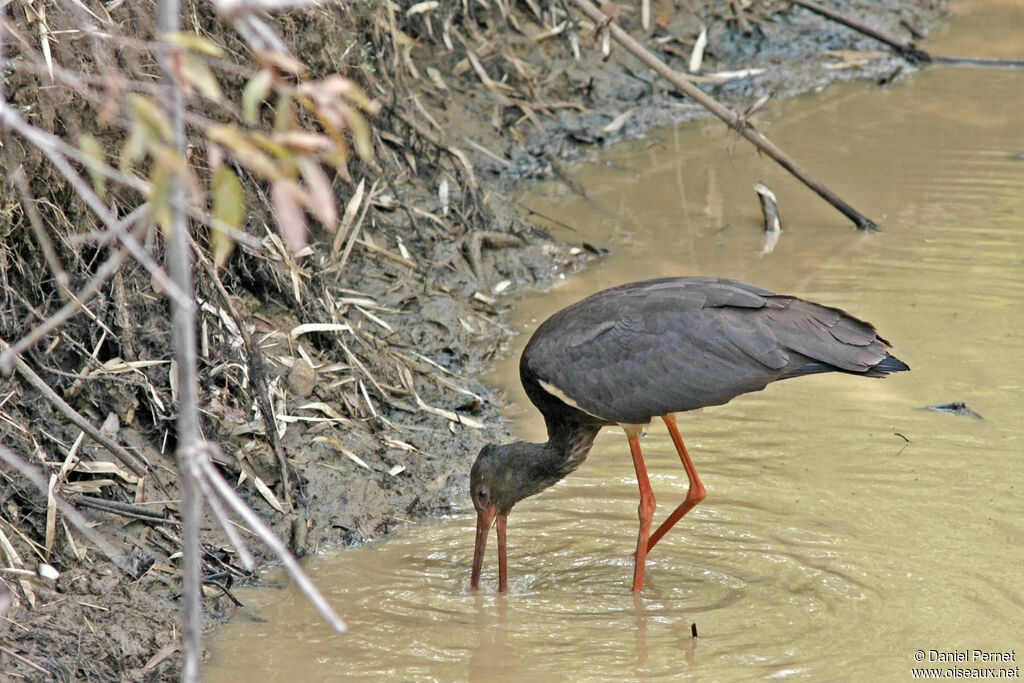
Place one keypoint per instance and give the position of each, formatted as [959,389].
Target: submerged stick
[908,51]
[769,207]
[734,120]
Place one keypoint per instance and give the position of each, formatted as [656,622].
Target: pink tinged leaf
[291,221]
[319,200]
[280,60]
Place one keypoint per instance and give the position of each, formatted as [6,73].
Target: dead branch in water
[735,121]
[908,51]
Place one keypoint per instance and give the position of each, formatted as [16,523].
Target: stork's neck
[510,472]
[568,444]
[540,465]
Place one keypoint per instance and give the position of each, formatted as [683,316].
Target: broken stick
[908,51]
[734,120]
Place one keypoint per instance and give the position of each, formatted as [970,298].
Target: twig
[735,121]
[26,661]
[120,452]
[276,546]
[60,276]
[258,376]
[223,589]
[437,142]
[183,325]
[908,51]
[124,509]
[225,523]
[78,301]
[474,248]
[69,511]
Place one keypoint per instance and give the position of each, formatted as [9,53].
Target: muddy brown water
[845,527]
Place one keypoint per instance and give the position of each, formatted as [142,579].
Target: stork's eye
[483,494]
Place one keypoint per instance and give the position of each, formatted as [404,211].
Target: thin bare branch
[735,121]
[52,147]
[276,546]
[77,302]
[71,514]
[183,320]
[136,463]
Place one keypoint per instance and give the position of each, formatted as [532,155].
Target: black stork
[652,349]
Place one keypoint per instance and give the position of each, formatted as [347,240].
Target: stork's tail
[888,364]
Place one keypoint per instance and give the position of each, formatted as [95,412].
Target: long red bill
[502,562]
[484,519]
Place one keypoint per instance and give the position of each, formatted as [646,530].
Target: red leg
[694,495]
[646,509]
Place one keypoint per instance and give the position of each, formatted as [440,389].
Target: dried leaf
[618,122]
[443,196]
[152,116]
[245,150]
[697,56]
[324,408]
[134,147]
[160,196]
[92,148]
[306,328]
[267,494]
[195,73]
[105,467]
[436,79]
[421,7]
[118,365]
[14,561]
[51,516]
[360,133]
[228,198]
[280,60]
[330,89]
[195,43]
[89,486]
[255,92]
[284,114]
[229,208]
[302,141]
[351,209]
[47,571]
[270,144]
[345,451]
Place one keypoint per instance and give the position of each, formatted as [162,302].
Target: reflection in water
[828,546]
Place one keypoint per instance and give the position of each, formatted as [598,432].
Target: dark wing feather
[659,346]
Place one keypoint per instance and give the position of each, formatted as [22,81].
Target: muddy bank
[378,423]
